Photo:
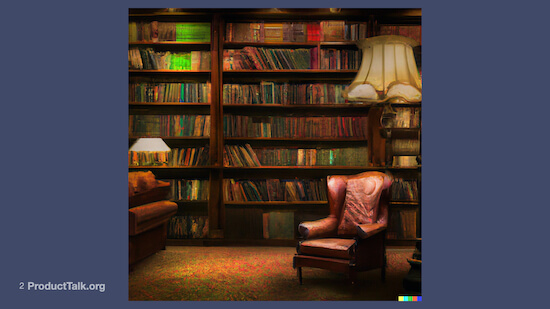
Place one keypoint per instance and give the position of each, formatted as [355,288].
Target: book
[405,146]
[190,156]
[189,189]
[333,30]
[278,225]
[192,32]
[404,190]
[188,227]
[404,161]
[273,32]
[412,31]
[407,117]
[408,223]
[313,31]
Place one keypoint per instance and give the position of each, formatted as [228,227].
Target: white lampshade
[388,71]
[149,144]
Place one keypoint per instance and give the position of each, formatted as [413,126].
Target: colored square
[401,298]
[419,298]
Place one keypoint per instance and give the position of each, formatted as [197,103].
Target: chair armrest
[319,228]
[368,230]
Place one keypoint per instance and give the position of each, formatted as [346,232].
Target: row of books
[265,190]
[149,158]
[405,146]
[402,224]
[169,125]
[407,117]
[189,189]
[340,59]
[411,31]
[170,92]
[314,31]
[185,227]
[238,155]
[294,127]
[261,58]
[404,190]
[190,156]
[149,59]
[267,92]
[155,31]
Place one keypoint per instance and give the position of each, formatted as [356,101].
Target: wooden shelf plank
[327,167]
[307,71]
[274,203]
[301,139]
[298,106]
[170,43]
[169,71]
[188,104]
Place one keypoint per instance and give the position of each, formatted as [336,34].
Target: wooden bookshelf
[220,213]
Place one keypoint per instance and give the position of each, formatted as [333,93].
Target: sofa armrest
[148,216]
[368,230]
[319,228]
[158,193]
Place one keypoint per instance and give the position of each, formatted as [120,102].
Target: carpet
[255,273]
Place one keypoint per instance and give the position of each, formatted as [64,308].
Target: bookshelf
[267,86]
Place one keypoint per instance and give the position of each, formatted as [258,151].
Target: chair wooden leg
[299,272]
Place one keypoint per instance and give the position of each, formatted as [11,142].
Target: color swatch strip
[410,298]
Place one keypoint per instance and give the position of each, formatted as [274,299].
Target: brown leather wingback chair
[352,238]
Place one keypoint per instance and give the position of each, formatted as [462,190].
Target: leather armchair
[352,237]
[148,214]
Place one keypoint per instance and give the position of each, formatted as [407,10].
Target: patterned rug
[255,273]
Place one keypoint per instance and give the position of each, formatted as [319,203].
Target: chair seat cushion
[328,247]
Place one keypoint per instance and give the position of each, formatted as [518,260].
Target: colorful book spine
[283,93]
[188,227]
[155,31]
[295,127]
[237,155]
[148,59]
[407,117]
[169,125]
[412,31]
[404,190]
[265,190]
[260,58]
[189,189]
[170,92]
[340,59]
[191,156]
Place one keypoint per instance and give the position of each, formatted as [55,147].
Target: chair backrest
[364,202]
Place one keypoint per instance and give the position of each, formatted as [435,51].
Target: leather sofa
[149,213]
